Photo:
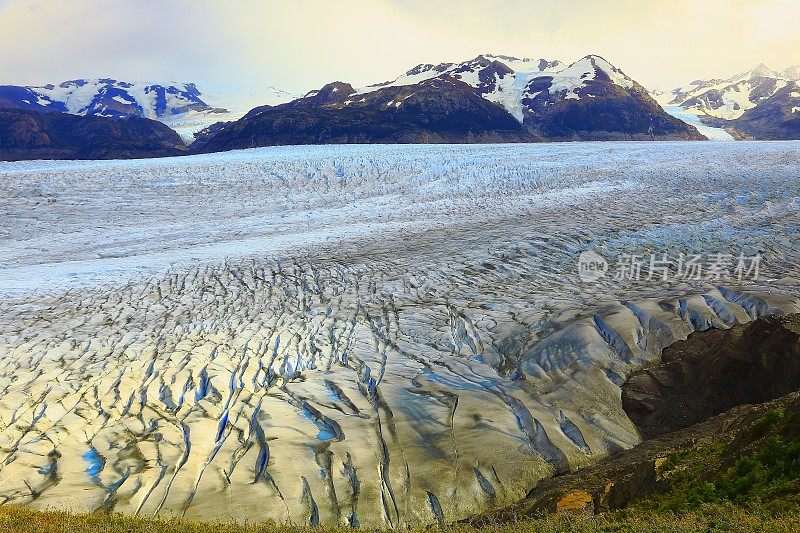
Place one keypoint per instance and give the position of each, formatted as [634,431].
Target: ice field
[370,335]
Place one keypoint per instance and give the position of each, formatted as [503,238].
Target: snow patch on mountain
[729,98]
[577,74]
[507,80]
[181,106]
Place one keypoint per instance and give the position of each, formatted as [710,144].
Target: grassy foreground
[708,517]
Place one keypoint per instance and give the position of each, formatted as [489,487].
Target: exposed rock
[634,474]
[776,117]
[757,104]
[712,371]
[33,135]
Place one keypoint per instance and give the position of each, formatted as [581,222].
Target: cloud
[302,44]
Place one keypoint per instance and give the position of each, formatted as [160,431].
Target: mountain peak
[792,73]
[759,71]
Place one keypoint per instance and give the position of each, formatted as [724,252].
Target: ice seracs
[376,336]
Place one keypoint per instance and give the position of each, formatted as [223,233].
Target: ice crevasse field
[366,335]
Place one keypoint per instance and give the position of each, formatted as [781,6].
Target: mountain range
[760,103]
[491,98]
[486,99]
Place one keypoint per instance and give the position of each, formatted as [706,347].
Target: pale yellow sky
[301,44]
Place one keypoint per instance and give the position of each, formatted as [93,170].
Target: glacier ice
[365,335]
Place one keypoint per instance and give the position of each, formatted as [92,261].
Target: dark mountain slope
[33,135]
[777,117]
[435,111]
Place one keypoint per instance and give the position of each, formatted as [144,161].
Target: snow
[236,105]
[713,134]
[735,92]
[122,100]
[575,76]
[78,97]
[510,89]
[178,335]
[131,200]
[403,80]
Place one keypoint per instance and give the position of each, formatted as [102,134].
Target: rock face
[644,471]
[713,371]
[777,117]
[33,135]
[592,99]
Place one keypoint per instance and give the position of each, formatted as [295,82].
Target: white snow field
[375,335]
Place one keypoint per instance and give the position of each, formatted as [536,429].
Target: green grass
[765,473]
[709,517]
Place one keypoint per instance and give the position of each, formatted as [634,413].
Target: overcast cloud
[299,45]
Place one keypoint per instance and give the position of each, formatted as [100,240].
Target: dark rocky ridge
[436,111]
[603,111]
[34,135]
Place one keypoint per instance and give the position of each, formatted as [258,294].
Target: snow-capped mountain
[180,105]
[587,99]
[521,86]
[736,103]
[105,97]
[500,79]
[489,98]
[729,98]
[776,117]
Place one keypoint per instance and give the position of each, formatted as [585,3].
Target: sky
[299,45]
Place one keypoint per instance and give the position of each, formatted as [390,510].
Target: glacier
[377,336]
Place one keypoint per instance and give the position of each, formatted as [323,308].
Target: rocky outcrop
[713,371]
[645,470]
[33,135]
